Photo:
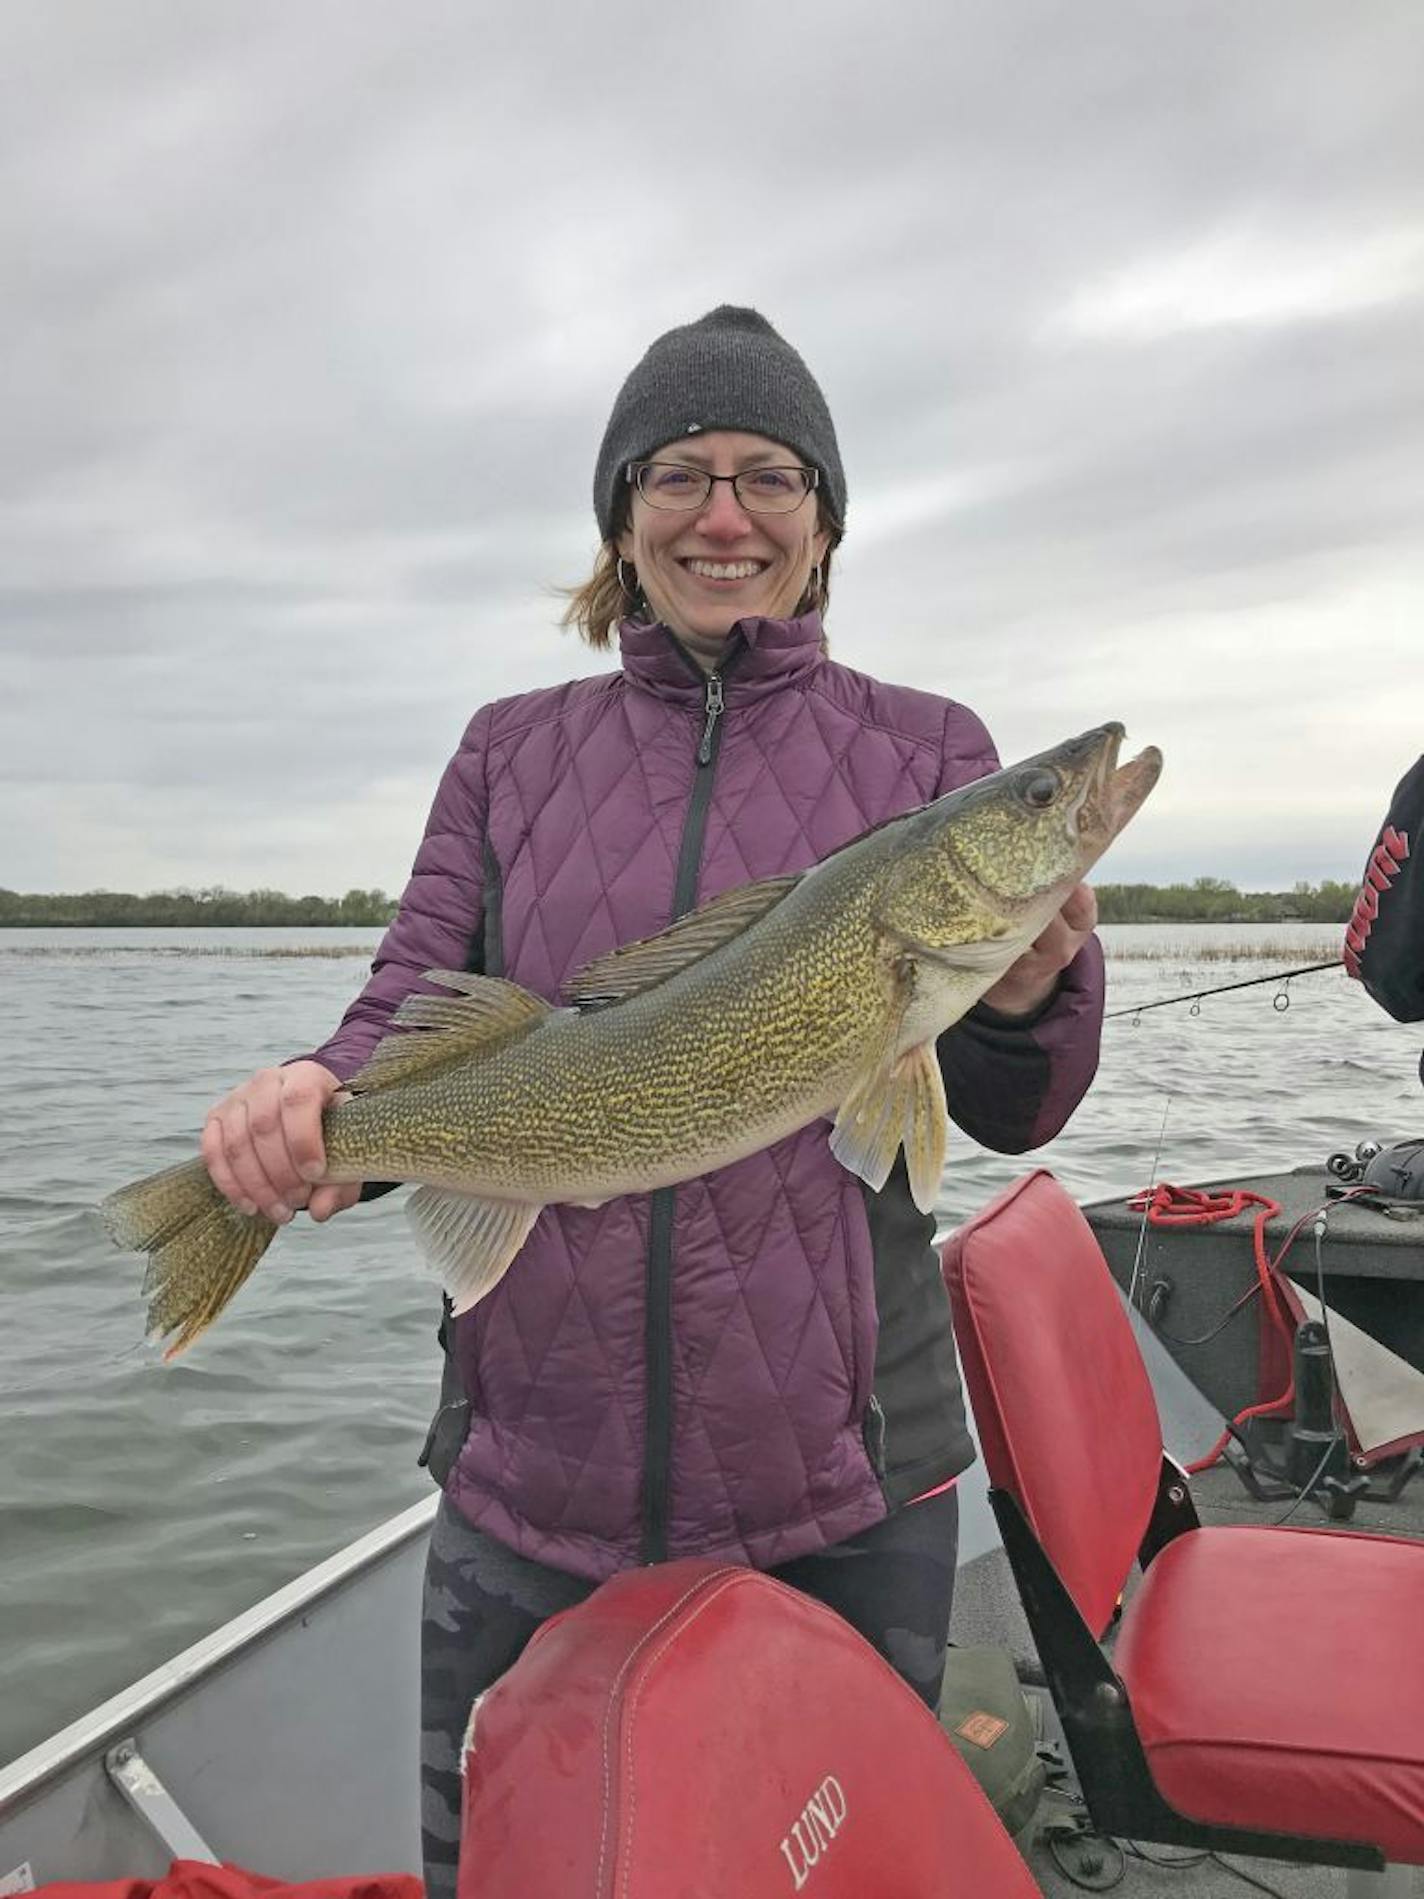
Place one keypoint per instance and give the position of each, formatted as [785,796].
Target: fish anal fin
[653,959]
[487,1012]
[468,1241]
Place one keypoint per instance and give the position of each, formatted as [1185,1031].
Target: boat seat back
[1062,1402]
[695,1731]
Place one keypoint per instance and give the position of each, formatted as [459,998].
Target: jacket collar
[762,656]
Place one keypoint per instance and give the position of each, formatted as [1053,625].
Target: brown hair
[596,607]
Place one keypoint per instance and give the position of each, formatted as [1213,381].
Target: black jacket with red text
[1384,943]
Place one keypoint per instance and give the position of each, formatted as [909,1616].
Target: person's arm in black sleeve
[1384,942]
[1012,1082]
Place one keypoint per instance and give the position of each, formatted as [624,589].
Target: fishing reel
[1351,1167]
[1389,1178]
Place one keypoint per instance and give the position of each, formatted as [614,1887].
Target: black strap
[451,1424]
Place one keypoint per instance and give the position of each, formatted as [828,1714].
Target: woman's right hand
[263,1144]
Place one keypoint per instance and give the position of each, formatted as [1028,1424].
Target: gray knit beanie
[729,370]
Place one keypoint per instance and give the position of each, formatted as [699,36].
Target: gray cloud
[314,314]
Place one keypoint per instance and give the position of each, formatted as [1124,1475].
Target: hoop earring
[630,591]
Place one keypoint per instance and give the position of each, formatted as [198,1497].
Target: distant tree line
[1213,900]
[217,907]
[1206,900]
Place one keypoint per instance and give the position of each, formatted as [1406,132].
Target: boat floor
[987,1611]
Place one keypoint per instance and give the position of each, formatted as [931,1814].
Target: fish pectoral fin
[927,1131]
[469,1242]
[643,965]
[895,1104]
[487,1012]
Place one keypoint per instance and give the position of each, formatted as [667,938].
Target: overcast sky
[313,315]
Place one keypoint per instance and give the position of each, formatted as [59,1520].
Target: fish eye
[1039,789]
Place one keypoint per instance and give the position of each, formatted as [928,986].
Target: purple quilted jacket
[758,1362]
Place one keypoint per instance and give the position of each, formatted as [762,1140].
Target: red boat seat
[1278,1674]
[1275,1675]
[694,1731]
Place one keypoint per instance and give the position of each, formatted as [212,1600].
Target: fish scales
[720,1060]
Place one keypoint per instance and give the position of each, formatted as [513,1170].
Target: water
[141,1505]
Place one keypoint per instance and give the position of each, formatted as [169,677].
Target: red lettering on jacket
[1380,873]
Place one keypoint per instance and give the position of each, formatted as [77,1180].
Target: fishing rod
[1282,1001]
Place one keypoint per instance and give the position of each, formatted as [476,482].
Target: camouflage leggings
[894,1583]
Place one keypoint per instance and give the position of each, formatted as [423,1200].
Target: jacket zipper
[873,1431]
[715,703]
[657,1336]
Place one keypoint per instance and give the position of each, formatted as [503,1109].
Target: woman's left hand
[1027,984]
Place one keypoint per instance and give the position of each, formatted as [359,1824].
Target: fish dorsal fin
[469,1242]
[897,1100]
[650,961]
[487,1012]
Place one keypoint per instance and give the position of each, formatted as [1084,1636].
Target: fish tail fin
[201,1249]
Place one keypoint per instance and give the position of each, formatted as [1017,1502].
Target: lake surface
[141,1505]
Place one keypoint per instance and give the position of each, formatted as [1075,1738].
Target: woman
[756,1365]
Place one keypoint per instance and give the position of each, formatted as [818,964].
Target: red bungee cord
[1169,1206]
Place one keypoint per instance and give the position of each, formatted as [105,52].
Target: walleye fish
[813,995]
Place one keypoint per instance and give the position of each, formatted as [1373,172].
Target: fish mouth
[1113,793]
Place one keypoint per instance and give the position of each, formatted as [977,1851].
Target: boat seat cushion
[699,1730]
[1062,1402]
[1277,1680]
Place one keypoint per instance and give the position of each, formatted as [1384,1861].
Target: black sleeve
[1011,1084]
[1384,943]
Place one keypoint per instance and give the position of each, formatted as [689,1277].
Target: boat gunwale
[92,1733]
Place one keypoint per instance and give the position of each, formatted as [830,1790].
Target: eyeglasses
[758,490]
